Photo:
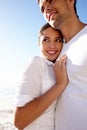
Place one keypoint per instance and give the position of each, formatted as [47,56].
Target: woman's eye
[45,40]
[59,40]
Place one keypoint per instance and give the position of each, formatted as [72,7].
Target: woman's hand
[61,71]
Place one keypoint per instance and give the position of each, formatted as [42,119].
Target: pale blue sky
[20,21]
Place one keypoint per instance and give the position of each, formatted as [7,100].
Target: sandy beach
[6,120]
[6,112]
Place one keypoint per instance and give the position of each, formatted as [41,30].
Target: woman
[43,75]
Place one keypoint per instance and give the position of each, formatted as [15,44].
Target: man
[71,110]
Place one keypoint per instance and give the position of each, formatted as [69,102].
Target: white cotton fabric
[71,111]
[37,79]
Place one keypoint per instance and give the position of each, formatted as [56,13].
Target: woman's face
[50,43]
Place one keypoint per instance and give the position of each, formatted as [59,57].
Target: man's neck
[71,28]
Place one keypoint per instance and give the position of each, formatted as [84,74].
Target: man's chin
[52,23]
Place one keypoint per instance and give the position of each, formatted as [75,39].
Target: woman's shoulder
[36,59]
[39,62]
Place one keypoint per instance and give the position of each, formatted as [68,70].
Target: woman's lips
[51,52]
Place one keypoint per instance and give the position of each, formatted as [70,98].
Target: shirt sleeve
[30,84]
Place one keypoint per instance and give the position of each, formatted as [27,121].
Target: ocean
[7,98]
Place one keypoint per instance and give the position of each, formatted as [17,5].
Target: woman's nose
[51,45]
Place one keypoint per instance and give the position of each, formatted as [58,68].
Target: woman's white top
[38,77]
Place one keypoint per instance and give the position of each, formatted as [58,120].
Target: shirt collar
[47,61]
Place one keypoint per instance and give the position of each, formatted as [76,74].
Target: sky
[20,21]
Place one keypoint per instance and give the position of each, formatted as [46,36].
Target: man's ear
[72,2]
